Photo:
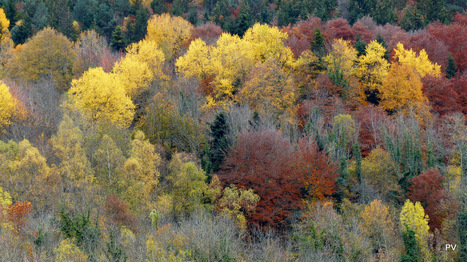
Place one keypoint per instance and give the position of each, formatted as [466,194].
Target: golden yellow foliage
[372,68]
[401,89]
[169,33]
[48,52]
[196,61]
[75,170]
[149,53]
[5,199]
[232,200]
[421,64]
[380,170]
[142,64]
[134,76]
[230,60]
[269,91]
[268,42]
[101,95]
[414,217]
[4,24]
[7,106]
[69,252]
[140,174]
[342,57]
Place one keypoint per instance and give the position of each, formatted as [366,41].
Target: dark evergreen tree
[10,11]
[462,230]
[193,16]
[179,7]
[410,245]
[360,45]
[220,142]
[84,12]
[245,18]
[317,45]
[384,13]
[451,68]
[141,24]
[118,40]
[21,32]
[158,7]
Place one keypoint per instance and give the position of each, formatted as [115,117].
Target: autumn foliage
[261,161]
[427,188]
[315,171]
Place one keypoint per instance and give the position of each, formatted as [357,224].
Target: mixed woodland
[233,130]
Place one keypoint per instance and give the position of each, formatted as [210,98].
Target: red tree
[371,119]
[366,34]
[460,86]
[441,94]
[301,35]
[427,188]
[261,160]
[315,170]
[118,211]
[209,32]
[338,28]
[436,49]
[454,37]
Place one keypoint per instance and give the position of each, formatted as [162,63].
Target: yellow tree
[230,60]
[372,68]
[378,226]
[270,91]
[134,75]
[268,42]
[74,167]
[401,89]
[7,106]
[196,61]
[149,53]
[414,217]
[48,52]
[380,170]
[108,161]
[187,186]
[147,60]
[138,184]
[169,33]
[6,44]
[101,95]
[421,64]
[305,70]
[342,57]
[4,24]
[233,201]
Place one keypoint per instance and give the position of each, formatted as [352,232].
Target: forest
[233,130]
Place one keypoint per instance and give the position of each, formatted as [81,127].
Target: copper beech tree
[260,160]
[427,188]
[315,171]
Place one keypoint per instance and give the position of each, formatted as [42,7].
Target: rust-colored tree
[118,212]
[338,28]
[260,160]
[371,120]
[453,35]
[441,94]
[460,86]
[208,32]
[315,171]
[427,188]
[18,212]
